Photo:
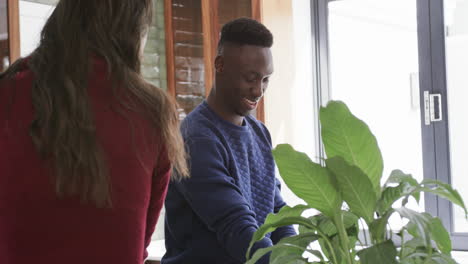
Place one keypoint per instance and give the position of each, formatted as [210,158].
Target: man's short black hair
[245,31]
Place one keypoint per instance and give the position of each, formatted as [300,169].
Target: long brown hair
[63,129]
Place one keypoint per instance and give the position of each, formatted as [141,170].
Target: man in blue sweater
[211,217]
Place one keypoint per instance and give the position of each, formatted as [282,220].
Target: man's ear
[219,64]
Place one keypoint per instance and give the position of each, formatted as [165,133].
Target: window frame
[433,78]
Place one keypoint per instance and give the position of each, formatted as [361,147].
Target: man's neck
[219,108]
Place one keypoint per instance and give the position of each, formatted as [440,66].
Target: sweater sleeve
[159,184]
[213,196]
[284,231]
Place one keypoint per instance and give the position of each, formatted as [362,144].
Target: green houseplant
[347,190]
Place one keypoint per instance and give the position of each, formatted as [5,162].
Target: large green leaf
[419,223]
[355,187]
[286,216]
[397,176]
[327,226]
[440,235]
[383,253]
[438,258]
[391,194]
[434,258]
[414,245]
[302,242]
[290,259]
[436,231]
[443,190]
[378,227]
[349,137]
[308,180]
[334,252]
[293,246]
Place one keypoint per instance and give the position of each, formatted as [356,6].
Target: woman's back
[38,227]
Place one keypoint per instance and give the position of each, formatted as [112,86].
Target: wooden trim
[257,14]
[209,16]
[261,110]
[170,58]
[13,30]
[215,30]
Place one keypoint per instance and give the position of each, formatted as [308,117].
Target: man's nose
[258,89]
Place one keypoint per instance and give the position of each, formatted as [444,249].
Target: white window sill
[460,256]
[157,249]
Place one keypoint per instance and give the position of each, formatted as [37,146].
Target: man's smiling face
[246,71]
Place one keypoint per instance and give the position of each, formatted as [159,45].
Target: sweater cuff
[282,232]
[264,243]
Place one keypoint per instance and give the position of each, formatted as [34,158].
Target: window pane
[154,60]
[456,13]
[188,53]
[4,45]
[374,70]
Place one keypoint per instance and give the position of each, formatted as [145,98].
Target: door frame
[13,30]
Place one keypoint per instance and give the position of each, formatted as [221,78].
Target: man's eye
[251,80]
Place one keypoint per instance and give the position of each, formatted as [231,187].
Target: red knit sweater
[36,226]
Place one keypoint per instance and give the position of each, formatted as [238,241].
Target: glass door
[373,63]
[381,57]
[456,52]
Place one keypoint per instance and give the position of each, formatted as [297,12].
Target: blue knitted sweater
[211,217]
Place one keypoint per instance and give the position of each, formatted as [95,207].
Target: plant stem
[343,236]
[330,248]
[311,226]
[364,232]
[390,231]
[429,255]
[402,243]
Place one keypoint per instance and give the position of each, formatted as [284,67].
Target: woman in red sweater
[86,145]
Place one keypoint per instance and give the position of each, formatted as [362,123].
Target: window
[381,58]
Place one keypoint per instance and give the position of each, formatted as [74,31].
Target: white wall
[289,107]
[32,18]
[288,100]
